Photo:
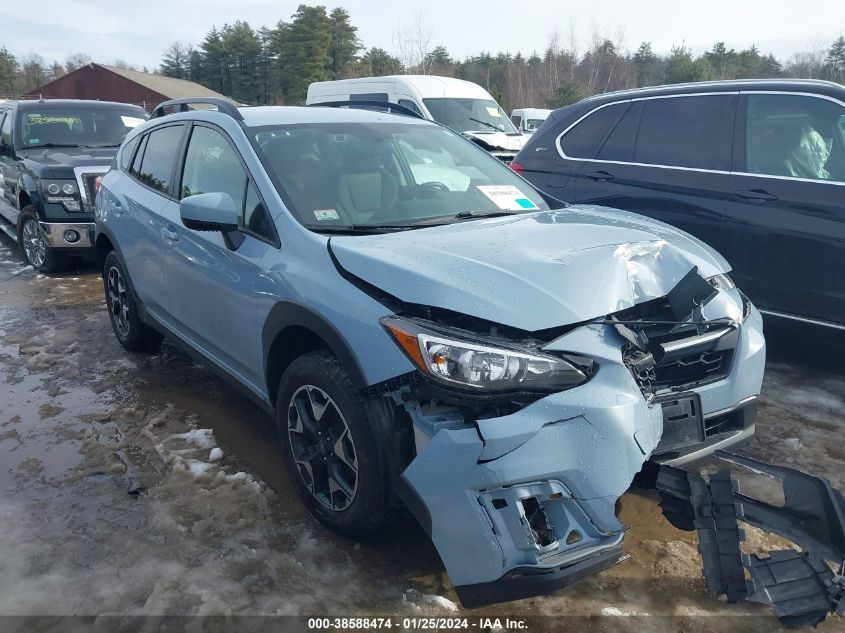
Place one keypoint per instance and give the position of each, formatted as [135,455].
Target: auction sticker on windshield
[326,214]
[507,197]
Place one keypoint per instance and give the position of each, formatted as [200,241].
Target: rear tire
[330,449]
[33,243]
[132,333]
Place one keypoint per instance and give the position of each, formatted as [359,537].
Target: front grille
[695,369]
[89,190]
[675,372]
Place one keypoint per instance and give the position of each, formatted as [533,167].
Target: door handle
[599,175]
[169,235]
[755,195]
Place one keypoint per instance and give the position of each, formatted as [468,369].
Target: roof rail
[223,105]
[367,103]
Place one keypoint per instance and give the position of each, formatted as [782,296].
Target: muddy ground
[144,485]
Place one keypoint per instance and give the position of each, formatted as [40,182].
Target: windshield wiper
[364,229]
[490,125]
[467,215]
[53,145]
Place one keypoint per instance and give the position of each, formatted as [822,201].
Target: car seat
[365,187]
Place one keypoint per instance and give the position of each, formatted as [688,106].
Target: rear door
[136,213]
[667,158]
[211,288]
[786,212]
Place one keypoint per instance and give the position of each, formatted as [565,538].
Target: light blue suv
[428,330]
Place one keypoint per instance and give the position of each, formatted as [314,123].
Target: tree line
[275,65]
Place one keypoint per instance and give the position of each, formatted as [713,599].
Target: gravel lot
[144,485]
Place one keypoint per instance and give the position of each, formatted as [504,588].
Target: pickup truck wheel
[33,243]
[132,333]
[329,445]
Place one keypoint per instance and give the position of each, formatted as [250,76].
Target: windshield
[533,124]
[470,115]
[78,126]
[335,175]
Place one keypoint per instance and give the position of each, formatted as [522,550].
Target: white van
[527,120]
[461,105]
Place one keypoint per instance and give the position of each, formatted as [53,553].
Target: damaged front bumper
[522,504]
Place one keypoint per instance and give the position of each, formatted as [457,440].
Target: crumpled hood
[497,141]
[532,271]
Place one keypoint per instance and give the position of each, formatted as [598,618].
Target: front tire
[329,446]
[33,243]
[132,333]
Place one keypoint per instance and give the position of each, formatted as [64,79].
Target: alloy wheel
[118,303]
[34,244]
[322,447]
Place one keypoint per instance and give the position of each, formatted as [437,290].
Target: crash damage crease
[518,491]
[802,587]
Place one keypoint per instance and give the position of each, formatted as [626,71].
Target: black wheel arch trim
[288,314]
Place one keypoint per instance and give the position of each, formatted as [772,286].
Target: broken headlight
[463,360]
[721,282]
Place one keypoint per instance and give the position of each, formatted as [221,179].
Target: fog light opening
[71,236]
[541,529]
[573,537]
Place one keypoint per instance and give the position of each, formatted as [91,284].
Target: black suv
[754,168]
[51,156]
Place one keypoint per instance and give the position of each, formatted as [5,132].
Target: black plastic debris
[793,584]
[801,587]
[711,511]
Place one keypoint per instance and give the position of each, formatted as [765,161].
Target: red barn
[107,83]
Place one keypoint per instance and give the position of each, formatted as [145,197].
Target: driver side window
[212,166]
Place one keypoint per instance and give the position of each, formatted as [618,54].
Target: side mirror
[212,212]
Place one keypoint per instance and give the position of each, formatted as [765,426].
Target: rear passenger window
[795,135]
[619,146]
[687,132]
[160,156]
[127,151]
[585,139]
[135,169]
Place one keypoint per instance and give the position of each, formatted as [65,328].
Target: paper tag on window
[325,214]
[131,121]
[493,112]
[507,197]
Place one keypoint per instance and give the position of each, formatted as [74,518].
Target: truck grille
[89,190]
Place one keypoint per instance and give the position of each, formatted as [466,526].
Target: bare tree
[413,45]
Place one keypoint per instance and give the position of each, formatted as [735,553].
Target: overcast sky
[138,32]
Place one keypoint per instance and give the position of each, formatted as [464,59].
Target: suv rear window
[585,139]
[160,156]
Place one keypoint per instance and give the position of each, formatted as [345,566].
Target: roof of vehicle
[789,85]
[46,104]
[257,116]
[531,111]
[427,85]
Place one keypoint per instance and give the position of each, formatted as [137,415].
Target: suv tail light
[517,167]
[98,181]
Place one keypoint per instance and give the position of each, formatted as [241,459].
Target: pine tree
[835,61]
[174,62]
[344,45]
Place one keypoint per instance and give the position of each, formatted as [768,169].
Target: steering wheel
[429,187]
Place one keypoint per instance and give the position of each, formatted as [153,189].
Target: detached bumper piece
[800,587]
